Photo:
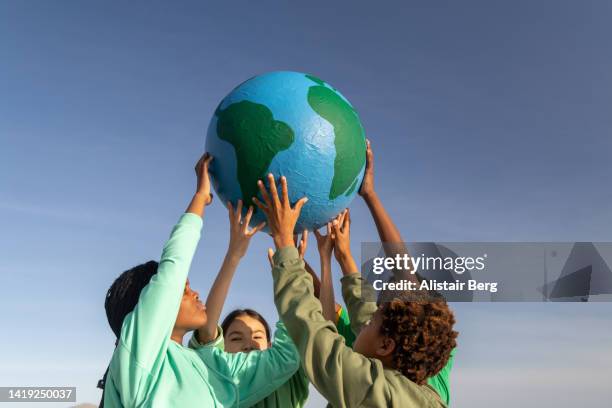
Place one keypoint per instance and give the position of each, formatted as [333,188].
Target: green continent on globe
[349,138]
[256,137]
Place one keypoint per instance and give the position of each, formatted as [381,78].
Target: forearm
[387,230]
[216,298]
[198,203]
[347,263]
[389,235]
[328,303]
[316,283]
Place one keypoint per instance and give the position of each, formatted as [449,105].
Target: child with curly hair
[396,350]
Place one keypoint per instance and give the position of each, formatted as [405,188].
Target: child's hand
[367,185]
[341,227]
[325,243]
[302,244]
[281,217]
[240,235]
[203,186]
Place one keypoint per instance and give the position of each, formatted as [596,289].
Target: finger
[271,257]
[273,191]
[300,204]
[318,234]
[258,228]
[303,243]
[230,209]
[264,193]
[285,191]
[238,214]
[348,216]
[336,227]
[329,228]
[340,218]
[260,205]
[207,159]
[247,218]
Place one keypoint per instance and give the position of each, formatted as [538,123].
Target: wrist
[281,241]
[347,263]
[369,195]
[206,197]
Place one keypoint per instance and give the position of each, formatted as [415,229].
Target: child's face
[370,342]
[192,312]
[245,334]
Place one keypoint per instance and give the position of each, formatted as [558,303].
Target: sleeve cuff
[191,219]
[285,254]
[215,343]
[350,278]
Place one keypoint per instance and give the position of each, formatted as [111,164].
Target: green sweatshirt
[344,377]
[148,369]
[292,394]
[352,286]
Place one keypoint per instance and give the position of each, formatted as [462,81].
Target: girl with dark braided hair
[151,307]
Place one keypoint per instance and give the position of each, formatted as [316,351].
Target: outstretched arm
[360,297]
[328,302]
[240,237]
[389,235]
[146,330]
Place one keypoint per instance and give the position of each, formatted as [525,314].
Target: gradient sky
[489,120]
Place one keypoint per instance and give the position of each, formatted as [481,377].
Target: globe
[294,125]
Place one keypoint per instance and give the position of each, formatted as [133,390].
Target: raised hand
[203,183]
[281,217]
[325,243]
[240,234]
[367,185]
[302,244]
[202,196]
[341,228]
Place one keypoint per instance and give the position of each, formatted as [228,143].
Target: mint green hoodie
[148,369]
[292,394]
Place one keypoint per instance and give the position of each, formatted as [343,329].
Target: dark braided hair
[423,334]
[245,312]
[122,298]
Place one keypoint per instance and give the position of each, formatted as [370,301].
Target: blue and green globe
[294,125]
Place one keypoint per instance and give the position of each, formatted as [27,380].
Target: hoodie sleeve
[146,330]
[258,373]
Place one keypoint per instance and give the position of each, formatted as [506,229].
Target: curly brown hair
[423,334]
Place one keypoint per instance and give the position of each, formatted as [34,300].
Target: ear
[386,346]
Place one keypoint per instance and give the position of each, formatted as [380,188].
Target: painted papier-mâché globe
[294,125]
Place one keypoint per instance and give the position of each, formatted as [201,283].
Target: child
[244,330]
[396,350]
[388,234]
[150,309]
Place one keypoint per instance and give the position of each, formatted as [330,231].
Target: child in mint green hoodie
[150,309]
[243,331]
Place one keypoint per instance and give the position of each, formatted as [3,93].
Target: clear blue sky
[490,121]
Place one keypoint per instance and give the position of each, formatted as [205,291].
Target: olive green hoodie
[344,377]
